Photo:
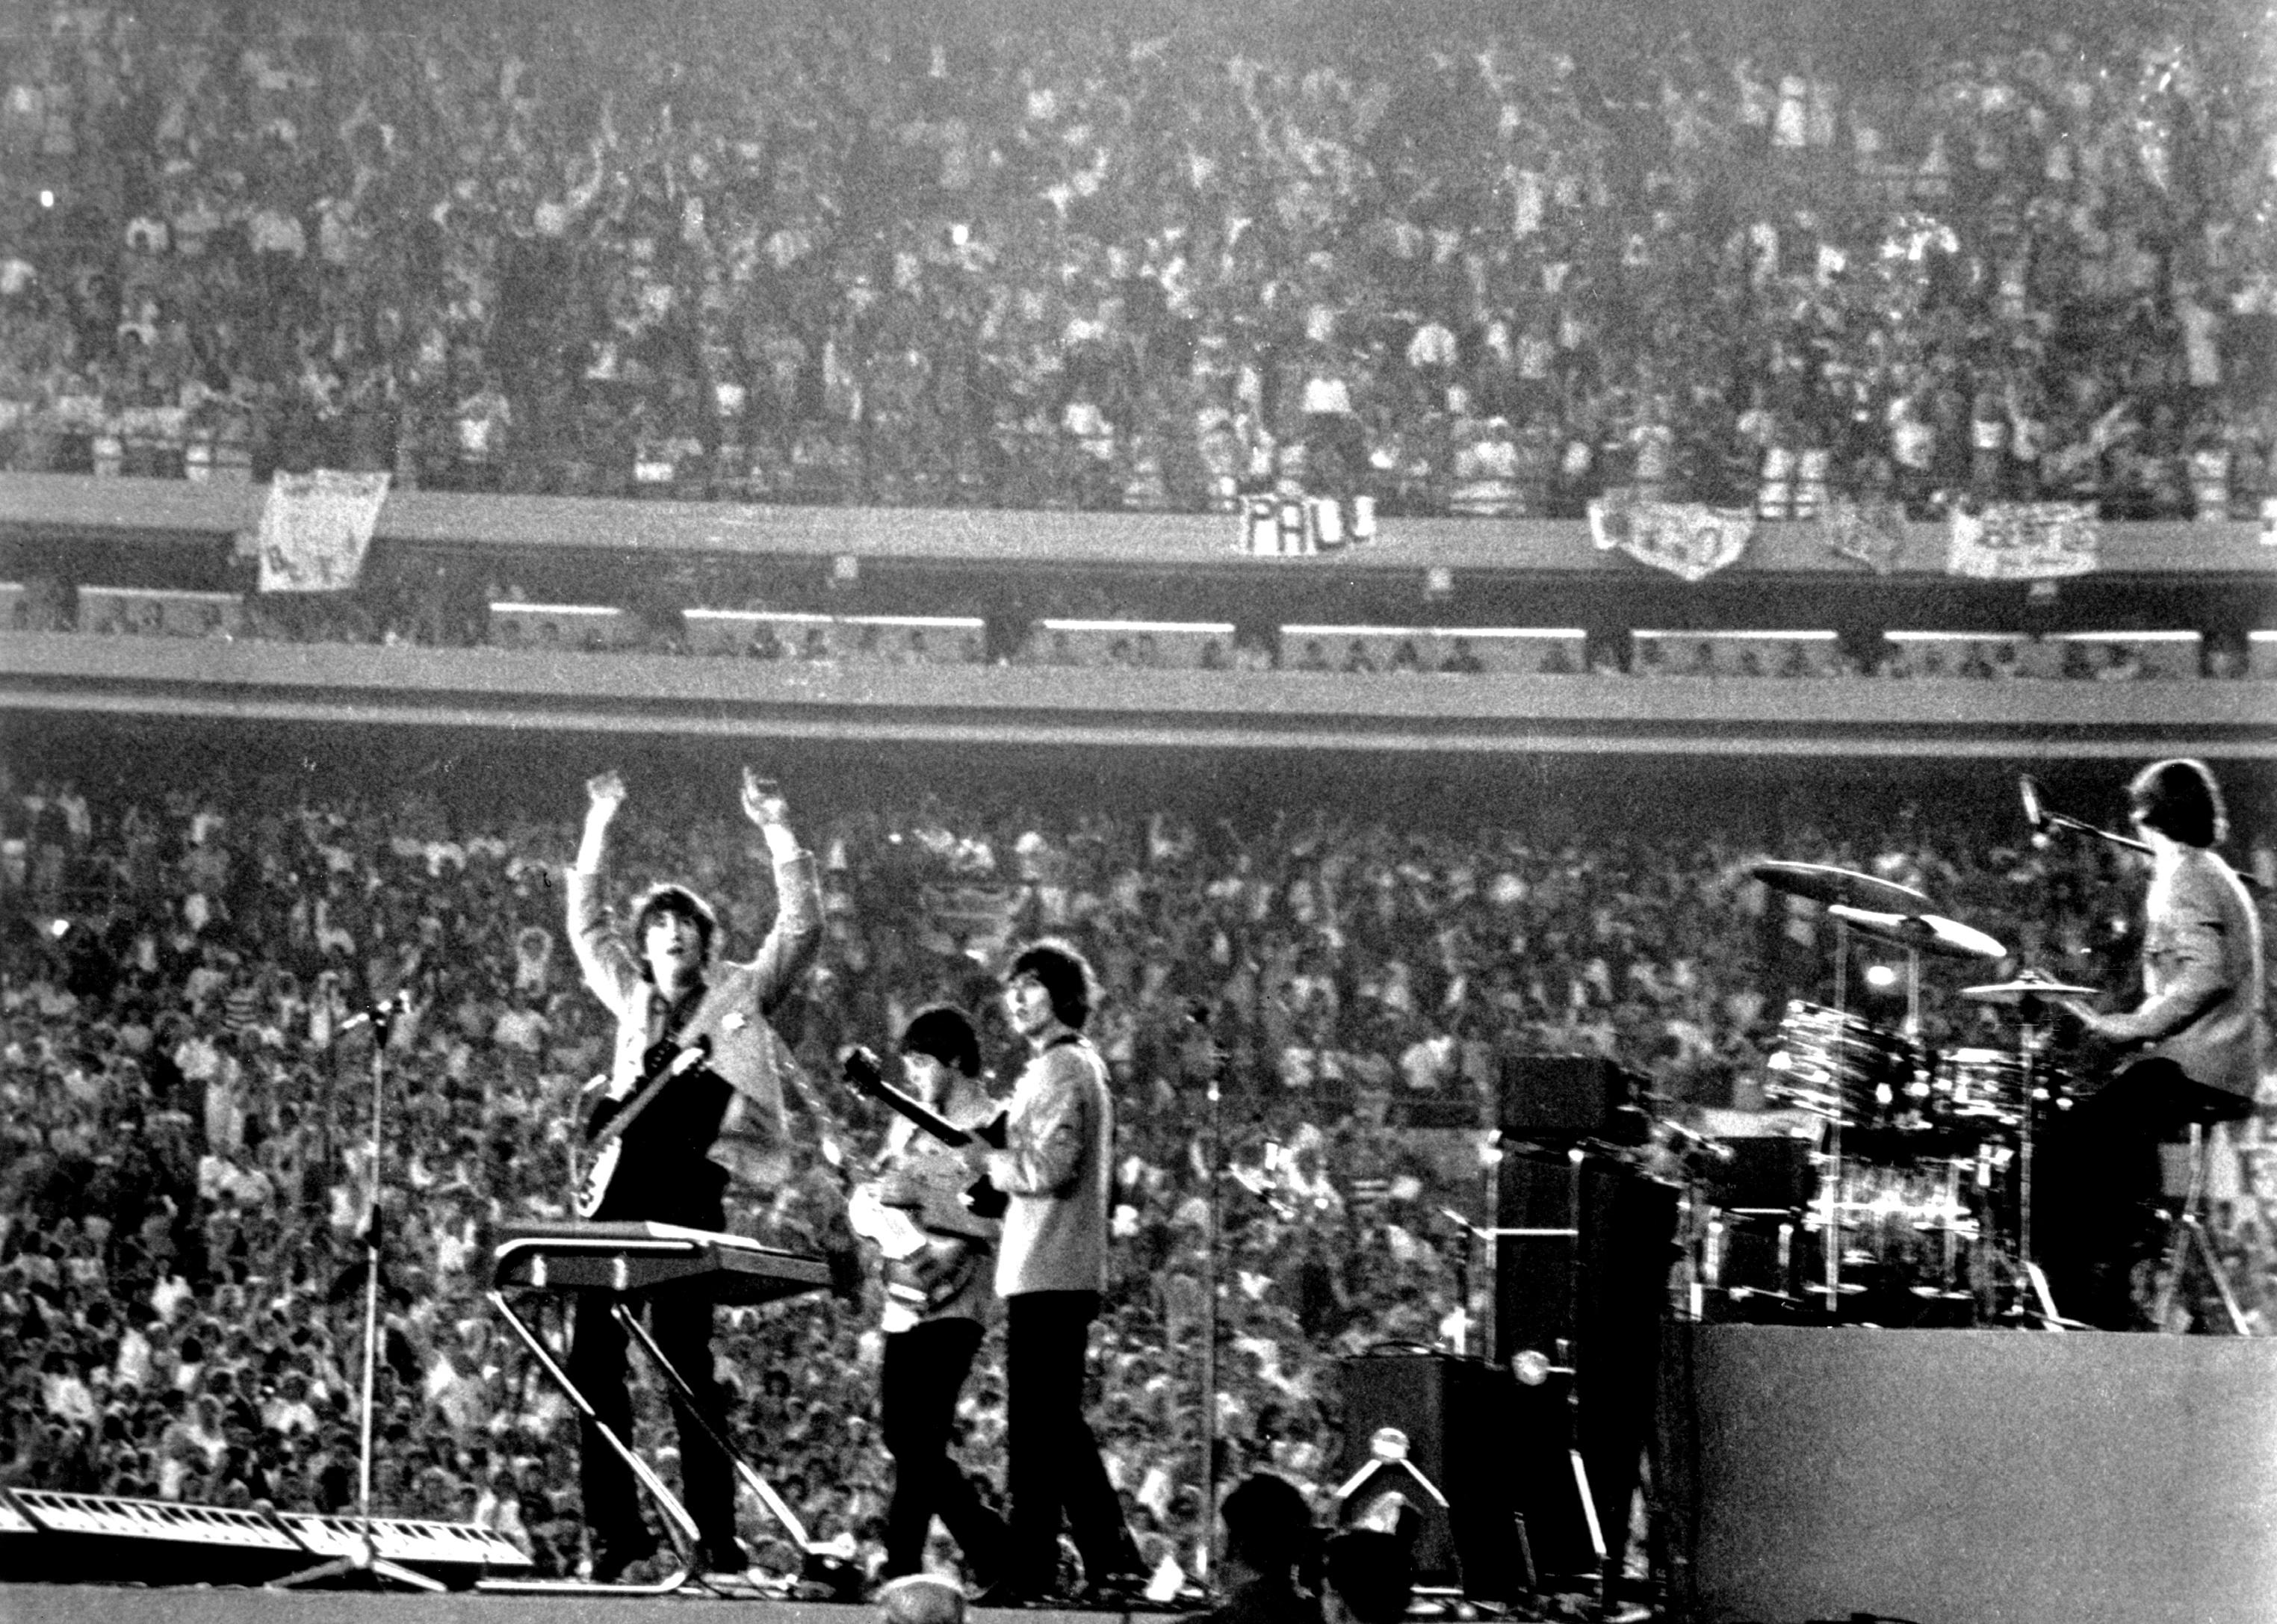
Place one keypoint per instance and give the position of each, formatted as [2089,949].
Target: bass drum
[1916,1239]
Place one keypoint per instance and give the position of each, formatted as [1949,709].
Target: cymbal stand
[2031,1039]
[1831,1186]
[1948,1186]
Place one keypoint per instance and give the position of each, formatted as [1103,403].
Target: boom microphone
[2029,788]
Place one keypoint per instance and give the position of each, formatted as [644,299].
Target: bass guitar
[611,1119]
[928,1261]
[865,1077]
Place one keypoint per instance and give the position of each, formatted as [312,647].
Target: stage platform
[1972,1477]
[100,1604]
[1947,1477]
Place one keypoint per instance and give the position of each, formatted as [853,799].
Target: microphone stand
[1205,1557]
[363,1565]
[2042,817]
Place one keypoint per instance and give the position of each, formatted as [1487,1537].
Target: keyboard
[567,1256]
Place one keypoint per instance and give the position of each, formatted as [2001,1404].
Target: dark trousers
[680,1321]
[2098,1179]
[925,1370]
[1055,1467]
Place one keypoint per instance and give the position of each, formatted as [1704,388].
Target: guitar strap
[677,1016]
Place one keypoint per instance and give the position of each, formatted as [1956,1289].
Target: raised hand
[763,801]
[606,791]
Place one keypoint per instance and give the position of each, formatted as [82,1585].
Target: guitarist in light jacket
[709,1124]
[939,1290]
[1051,1271]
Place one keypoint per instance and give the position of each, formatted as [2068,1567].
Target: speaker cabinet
[1581,1259]
[1561,1098]
[1458,1476]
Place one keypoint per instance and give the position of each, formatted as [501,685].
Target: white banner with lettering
[1688,539]
[2025,541]
[317,528]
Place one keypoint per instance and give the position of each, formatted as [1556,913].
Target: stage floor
[99,1604]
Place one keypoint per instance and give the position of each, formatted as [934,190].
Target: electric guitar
[606,1127]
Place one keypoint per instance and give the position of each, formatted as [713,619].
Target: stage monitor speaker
[1454,1480]
[1558,1098]
[1581,1262]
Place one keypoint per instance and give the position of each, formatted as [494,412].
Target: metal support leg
[777,1507]
[678,1524]
[2188,1230]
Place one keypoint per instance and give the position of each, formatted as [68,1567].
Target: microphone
[387,1009]
[2035,815]
[1716,1149]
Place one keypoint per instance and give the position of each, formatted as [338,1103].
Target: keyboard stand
[761,1488]
[679,1526]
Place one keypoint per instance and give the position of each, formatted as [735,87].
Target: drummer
[2189,1052]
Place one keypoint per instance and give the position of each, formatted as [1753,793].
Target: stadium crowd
[185,1092]
[847,253]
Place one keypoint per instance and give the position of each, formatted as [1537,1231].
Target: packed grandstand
[1151,257]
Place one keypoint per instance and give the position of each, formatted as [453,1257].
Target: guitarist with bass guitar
[694,1101]
[940,1246]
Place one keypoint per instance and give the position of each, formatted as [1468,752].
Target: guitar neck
[662,1070]
[865,1077]
[922,1115]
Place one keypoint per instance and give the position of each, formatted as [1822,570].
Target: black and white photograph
[1345,812]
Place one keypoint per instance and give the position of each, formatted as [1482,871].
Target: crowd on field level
[185,1098]
[1150,257]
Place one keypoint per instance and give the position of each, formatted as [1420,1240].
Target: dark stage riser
[1971,1477]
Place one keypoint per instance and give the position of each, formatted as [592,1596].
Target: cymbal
[1823,884]
[1929,932]
[2028,984]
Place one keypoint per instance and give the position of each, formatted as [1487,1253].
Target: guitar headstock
[863,1073]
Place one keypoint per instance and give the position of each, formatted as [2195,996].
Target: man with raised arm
[698,1127]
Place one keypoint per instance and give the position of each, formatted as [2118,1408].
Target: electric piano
[570,1256]
[625,1260]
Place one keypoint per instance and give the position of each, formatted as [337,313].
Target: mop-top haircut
[1064,974]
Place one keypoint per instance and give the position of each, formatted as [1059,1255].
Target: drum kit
[1902,1192]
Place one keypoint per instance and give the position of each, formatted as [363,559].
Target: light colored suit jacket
[1055,1166]
[733,1013]
[2201,975]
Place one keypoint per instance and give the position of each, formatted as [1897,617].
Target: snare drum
[1833,1063]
